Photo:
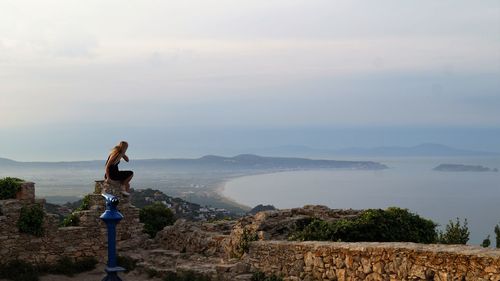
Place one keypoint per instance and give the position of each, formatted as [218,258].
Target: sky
[187,78]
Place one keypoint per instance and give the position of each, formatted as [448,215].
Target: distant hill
[260,162]
[5,161]
[463,168]
[426,149]
[239,162]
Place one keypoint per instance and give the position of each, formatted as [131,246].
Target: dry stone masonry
[308,261]
[215,249]
[86,240]
[374,261]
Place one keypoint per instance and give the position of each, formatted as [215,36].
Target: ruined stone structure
[86,240]
[226,250]
[307,261]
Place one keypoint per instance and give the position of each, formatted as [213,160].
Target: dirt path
[96,275]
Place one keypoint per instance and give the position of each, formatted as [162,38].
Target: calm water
[409,183]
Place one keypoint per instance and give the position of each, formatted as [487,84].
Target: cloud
[252,62]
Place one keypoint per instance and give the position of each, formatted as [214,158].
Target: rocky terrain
[141,198]
[235,250]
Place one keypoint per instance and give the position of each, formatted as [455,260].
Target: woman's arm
[125,157]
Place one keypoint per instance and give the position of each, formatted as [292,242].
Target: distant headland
[242,161]
[463,168]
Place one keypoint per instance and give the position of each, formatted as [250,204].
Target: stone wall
[89,239]
[373,261]
[307,261]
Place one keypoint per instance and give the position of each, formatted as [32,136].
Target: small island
[463,168]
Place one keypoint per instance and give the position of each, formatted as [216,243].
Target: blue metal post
[111,217]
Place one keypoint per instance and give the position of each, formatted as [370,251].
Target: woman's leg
[126,181]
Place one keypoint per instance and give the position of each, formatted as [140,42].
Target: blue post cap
[111,213]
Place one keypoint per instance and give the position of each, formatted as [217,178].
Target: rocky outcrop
[193,237]
[279,224]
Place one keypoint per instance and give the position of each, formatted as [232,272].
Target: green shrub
[155,217]
[85,205]
[486,242]
[74,220]
[9,187]
[152,273]
[17,270]
[85,264]
[373,225]
[260,276]
[71,220]
[186,276]
[69,267]
[63,266]
[455,233]
[31,220]
[127,262]
[244,244]
[497,236]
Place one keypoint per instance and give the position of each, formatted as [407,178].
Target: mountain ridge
[239,161]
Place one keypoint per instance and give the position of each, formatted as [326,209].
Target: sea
[408,183]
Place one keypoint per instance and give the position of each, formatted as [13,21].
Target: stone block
[26,193]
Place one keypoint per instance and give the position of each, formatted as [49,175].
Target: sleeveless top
[113,169]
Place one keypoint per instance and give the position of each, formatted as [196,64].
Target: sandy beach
[218,191]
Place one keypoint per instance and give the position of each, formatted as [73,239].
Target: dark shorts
[120,175]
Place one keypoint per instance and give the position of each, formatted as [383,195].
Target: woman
[112,171]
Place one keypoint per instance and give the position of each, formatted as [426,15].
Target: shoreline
[219,189]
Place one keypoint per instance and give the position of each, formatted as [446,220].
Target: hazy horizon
[142,150]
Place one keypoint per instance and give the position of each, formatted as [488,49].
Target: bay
[408,183]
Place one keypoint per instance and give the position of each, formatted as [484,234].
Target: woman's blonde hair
[117,150]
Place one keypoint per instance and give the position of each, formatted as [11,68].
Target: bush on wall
[71,220]
[9,187]
[373,225]
[85,205]
[31,220]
